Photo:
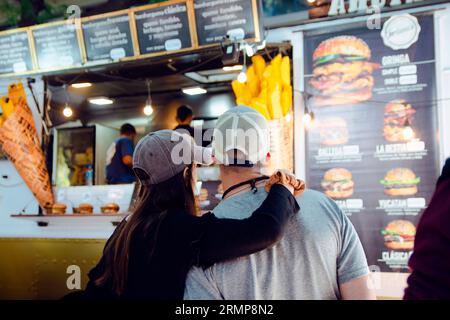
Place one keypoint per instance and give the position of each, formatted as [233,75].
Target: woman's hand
[288,180]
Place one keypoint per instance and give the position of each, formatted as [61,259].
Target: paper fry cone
[20,143]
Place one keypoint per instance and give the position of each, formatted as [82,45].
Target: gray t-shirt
[319,251]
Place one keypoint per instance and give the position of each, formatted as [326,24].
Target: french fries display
[268,89]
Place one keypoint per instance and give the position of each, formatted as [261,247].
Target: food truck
[355,99]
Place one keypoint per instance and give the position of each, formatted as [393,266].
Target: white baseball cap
[241,129]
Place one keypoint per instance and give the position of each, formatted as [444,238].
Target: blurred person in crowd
[119,157]
[430,261]
[150,253]
[184,119]
[320,255]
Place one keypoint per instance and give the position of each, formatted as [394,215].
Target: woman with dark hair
[151,252]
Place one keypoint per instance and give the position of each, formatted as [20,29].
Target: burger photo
[399,235]
[397,114]
[337,183]
[342,71]
[333,131]
[400,182]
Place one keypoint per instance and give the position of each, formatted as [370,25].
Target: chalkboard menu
[218,18]
[165,28]
[57,46]
[15,54]
[108,38]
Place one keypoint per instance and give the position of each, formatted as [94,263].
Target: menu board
[108,38]
[218,18]
[164,28]
[373,146]
[57,46]
[15,54]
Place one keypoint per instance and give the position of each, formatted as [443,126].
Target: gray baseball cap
[165,153]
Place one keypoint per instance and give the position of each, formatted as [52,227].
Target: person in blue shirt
[119,158]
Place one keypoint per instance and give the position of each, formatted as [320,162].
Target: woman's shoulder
[187,224]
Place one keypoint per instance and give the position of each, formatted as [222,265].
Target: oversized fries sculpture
[20,142]
[268,89]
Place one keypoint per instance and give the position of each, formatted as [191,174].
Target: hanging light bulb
[408,132]
[67,111]
[308,119]
[242,77]
[308,116]
[148,109]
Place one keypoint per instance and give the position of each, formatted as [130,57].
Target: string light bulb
[308,116]
[308,119]
[288,117]
[242,77]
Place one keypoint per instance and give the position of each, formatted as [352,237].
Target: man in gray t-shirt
[320,255]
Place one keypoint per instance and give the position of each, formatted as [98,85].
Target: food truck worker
[184,119]
[119,157]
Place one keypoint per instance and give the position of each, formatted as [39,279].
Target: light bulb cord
[149,97]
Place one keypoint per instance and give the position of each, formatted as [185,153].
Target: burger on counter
[337,183]
[400,182]
[56,209]
[84,208]
[399,235]
[110,208]
[342,71]
[333,131]
[397,114]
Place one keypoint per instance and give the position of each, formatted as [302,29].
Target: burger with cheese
[342,71]
[337,183]
[399,235]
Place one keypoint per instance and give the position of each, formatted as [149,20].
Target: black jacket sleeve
[230,238]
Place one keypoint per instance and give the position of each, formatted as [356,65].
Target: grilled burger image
[342,72]
[400,182]
[397,114]
[337,183]
[399,235]
[333,131]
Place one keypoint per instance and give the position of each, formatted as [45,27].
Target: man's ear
[187,176]
[185,172]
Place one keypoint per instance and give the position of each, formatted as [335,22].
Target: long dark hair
[154,204]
